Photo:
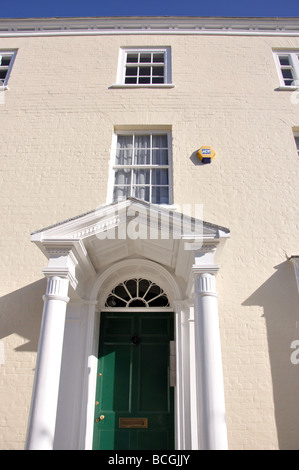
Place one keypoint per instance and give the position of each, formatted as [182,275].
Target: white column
[42,420]
[193,384]
[183,418]
[211,409]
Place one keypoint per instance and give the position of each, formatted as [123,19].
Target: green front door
[134,407]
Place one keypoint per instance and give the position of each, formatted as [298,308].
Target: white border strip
[180,25]
[120,32]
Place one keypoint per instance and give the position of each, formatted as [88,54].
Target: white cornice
[10,27]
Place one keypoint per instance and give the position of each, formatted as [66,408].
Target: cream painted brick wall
[56,130]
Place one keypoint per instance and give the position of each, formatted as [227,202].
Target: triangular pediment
[133,228]
[107,217]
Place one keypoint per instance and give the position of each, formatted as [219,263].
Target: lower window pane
[123,177]
[287,73]
[143,80]
[120,193]
[158,79]
[144,71]
[160,177]
[131,71]
[141,192]
[158,71]
[142,172]
[287,76]
[160,195]
[3,74]
[129,80]
[141,176]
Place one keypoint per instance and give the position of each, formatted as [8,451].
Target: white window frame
[8,68]
[122,63]
[294,67]
[114,167]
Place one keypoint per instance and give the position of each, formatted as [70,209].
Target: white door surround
[87,261]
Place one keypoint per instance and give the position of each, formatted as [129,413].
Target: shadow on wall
[279,298]
[21,314]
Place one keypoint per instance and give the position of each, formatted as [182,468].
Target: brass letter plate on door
[136,423]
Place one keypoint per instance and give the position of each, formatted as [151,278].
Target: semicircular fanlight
[137,293]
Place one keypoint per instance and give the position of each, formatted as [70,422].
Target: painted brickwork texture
[56,131]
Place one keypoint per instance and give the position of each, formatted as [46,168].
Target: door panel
[133,382]
[153,364]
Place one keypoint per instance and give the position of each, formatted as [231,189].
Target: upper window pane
[160,157]
[132,58]
[145,66]
[158,57]
[6,61]
[284,60]
[288,66]
[124,151]
[145,57]
[160,141]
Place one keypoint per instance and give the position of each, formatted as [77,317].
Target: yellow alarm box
[206,154]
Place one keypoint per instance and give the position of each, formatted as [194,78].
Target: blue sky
[68,8]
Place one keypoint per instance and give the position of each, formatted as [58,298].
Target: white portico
[88,256]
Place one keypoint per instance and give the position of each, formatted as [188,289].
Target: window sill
[3,87]
[287,88]
[167,207]
[170,207]
[158,85]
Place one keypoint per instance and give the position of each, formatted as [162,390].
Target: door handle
[100,418]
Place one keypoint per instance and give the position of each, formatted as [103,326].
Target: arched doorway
[134,406]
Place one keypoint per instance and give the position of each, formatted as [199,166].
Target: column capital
[57,288]
[205,284]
